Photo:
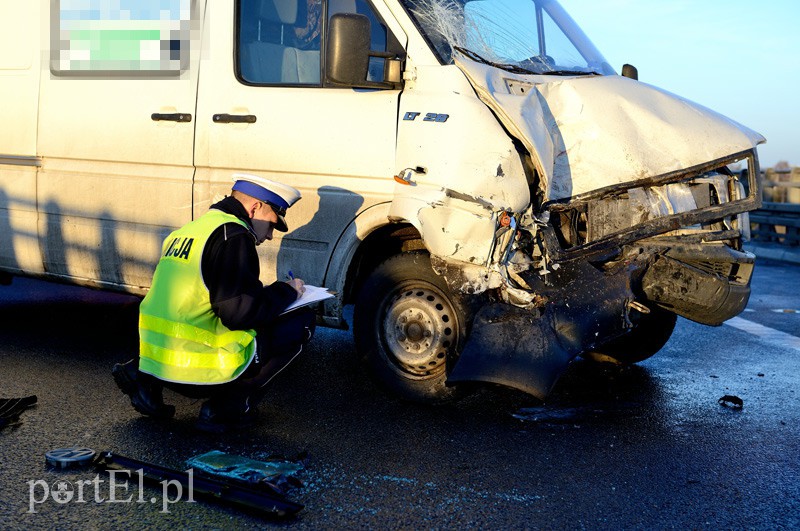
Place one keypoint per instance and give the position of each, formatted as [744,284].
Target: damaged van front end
[639,218]
[604,275]
[606,208]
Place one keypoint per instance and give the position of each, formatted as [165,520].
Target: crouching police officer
[208,328]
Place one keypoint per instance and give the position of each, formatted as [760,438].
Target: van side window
[279,41]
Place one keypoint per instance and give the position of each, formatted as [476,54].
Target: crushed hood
[590,132]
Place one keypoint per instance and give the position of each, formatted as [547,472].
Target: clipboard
[311,295]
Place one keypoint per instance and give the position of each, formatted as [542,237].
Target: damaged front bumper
[710,291]
[707,197]
[528,348]
[605,257]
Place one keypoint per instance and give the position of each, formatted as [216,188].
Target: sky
[741,59]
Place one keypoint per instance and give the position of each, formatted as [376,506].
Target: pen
[291,275]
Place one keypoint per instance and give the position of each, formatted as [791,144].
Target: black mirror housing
[347,55]
[630,71]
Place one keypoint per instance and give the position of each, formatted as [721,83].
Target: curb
[774,252]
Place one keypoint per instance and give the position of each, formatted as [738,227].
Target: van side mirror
[347,54]
[630,71]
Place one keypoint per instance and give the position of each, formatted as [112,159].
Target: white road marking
[769,335]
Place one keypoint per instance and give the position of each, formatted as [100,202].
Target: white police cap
[277,195]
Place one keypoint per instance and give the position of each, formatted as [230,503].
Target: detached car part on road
[477,179]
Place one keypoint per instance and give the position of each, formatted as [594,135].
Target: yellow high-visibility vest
[181,339]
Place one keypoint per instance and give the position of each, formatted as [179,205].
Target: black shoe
[218,416]
[146,397]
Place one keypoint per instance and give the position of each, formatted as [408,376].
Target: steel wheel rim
[419,330]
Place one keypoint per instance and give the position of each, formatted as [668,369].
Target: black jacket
[230,271]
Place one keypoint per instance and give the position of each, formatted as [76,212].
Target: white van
[476,178]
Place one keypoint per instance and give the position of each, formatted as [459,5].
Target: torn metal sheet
[457,234]
[454,226]
[511,346]
[466,278]
[529,347]
[591,132]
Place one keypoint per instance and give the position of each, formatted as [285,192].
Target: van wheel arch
[377,247]
[409,328]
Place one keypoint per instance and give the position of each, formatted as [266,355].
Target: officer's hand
[298,285]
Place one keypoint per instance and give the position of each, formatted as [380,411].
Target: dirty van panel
[19,71]
[336,145]
[452,192]
[116,137]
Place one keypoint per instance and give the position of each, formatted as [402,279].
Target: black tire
[650,335]
[409,328]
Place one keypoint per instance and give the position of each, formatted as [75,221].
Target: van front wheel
[409,328]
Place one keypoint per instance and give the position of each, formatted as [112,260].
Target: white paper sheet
[311,295]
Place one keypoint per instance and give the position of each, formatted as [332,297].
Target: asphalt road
[648,447]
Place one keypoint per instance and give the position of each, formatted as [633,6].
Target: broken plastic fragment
[279,472]
[731,401]
[75,456]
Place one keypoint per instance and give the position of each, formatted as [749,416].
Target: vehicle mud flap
[514,347]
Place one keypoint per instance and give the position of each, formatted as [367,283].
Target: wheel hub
[420,328]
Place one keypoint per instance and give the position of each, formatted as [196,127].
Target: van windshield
[523,36]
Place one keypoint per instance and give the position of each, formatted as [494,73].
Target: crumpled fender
[510,346]
[529,349]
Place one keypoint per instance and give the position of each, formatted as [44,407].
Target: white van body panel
[592,132]
[113,181]
[454,200]
[19,74]
[367,221]
[19,79]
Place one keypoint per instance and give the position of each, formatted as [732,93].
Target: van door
[116,132]
[263,109]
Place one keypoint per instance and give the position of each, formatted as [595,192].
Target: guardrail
[782,185]
[778,219]
[776,222]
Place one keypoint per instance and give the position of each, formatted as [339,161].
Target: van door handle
[171,117]
[234,119]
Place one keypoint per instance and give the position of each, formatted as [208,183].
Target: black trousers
[278,344]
